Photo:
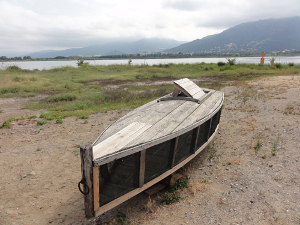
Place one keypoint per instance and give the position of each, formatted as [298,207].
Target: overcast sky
[35,25]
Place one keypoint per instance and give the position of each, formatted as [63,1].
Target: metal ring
[83,182]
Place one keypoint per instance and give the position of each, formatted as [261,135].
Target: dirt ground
[250,174]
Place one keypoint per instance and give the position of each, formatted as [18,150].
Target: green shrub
[231,62]
[221,64]
[180,184]
[13,68]
[278,65]
[226,67]
[272,61]
[291,64]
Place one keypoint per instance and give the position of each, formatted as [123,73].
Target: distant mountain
[115,48]
[264,35]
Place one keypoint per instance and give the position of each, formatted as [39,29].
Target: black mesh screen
[157,160]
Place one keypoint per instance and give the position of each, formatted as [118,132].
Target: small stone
[270,165]
[32,173]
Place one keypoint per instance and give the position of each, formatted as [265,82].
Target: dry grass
[150,205]
[198,186]
[292,109]
[234,161]
[249,124]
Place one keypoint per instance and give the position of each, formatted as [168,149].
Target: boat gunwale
[142,146]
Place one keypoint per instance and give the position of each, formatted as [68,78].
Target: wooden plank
[195,139]
[210,122]
[175,92]
[202,111]
[155,189]
[129,195]
[149,116]
[167,124]
[174,146]
[199,94]
[120,139]
[142,168]
[86,155]
[96,188]
[189,88]
[182,81]
[217,105]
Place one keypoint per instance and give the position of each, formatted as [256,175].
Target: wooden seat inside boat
[188,88]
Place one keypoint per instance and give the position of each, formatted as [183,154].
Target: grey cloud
[222,18]
[184,5]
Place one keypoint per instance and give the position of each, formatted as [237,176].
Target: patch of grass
[257,146]
[33,79]
[85,122]
[170,198]
[122,218]
[38,149]
[41,122]
[274,147]
[62,97]
[18,79]
[6,124]
[59,120]
[82,91]
[180,184]
[75,152]
[1,111]
[11,89]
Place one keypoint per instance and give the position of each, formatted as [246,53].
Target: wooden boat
[147,145]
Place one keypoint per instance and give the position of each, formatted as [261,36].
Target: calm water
[41,65]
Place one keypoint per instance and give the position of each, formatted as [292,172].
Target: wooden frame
[118,201]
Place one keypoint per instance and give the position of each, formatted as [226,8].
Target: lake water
[41,65]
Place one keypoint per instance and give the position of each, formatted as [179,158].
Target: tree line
[154,56]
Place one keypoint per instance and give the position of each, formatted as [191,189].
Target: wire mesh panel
[203,134]
[184,146]
[215,122]
[118,181]
[157,160]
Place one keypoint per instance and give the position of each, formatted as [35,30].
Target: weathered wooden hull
[141,154]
